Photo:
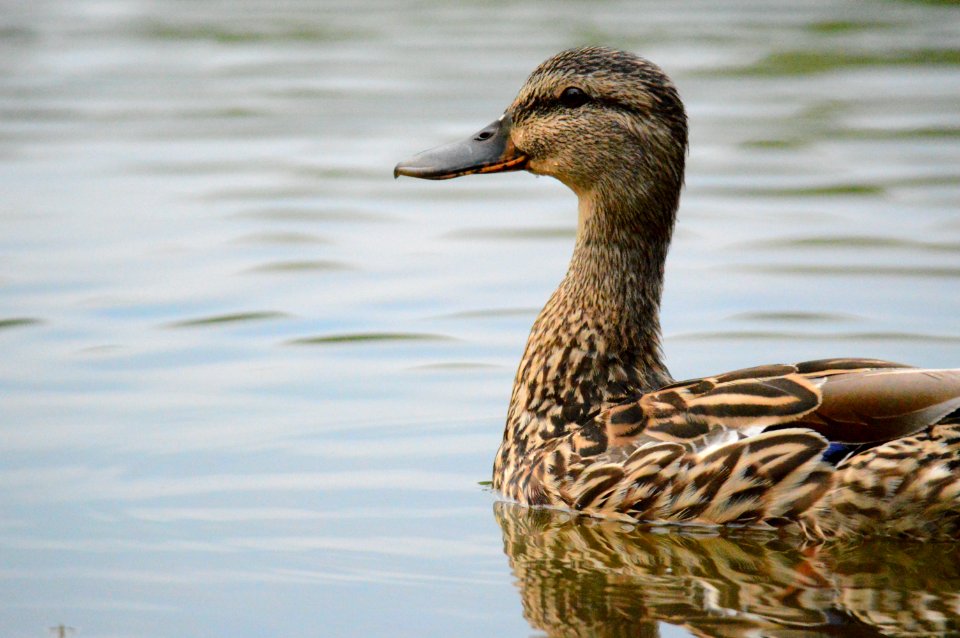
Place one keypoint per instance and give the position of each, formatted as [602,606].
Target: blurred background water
[250,383]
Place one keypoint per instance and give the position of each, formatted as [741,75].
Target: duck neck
[597,341]
[616,275]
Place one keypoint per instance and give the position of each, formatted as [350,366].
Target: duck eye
[572,97]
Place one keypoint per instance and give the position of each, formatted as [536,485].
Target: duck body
[825,448]
[596,424]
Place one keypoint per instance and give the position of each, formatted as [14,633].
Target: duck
[596,425]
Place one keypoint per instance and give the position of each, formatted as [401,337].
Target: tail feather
[908,487]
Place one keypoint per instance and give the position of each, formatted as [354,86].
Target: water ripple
[367,337]
[18,322]
[771,335]
[237,317]
[851,242]
[847,270]
[304,266]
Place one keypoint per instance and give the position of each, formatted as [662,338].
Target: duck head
[607,123]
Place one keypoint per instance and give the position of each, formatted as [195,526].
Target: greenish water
[251,384]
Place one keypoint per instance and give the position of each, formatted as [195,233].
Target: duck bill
[490,150]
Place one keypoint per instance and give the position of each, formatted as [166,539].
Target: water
[250,383]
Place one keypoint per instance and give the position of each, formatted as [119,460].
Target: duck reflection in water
[586,577]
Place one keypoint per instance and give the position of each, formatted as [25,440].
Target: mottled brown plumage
[597,425]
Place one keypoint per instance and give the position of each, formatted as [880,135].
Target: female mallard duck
[596,423]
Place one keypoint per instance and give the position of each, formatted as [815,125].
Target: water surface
[250,383]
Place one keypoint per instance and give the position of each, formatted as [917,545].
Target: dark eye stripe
[551,105]
[543,105]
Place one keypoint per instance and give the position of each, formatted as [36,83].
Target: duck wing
[881,405]
[850,401]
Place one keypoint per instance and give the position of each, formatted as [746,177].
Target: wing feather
[763,477]
[882,405]
[845,400]
[751,446]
